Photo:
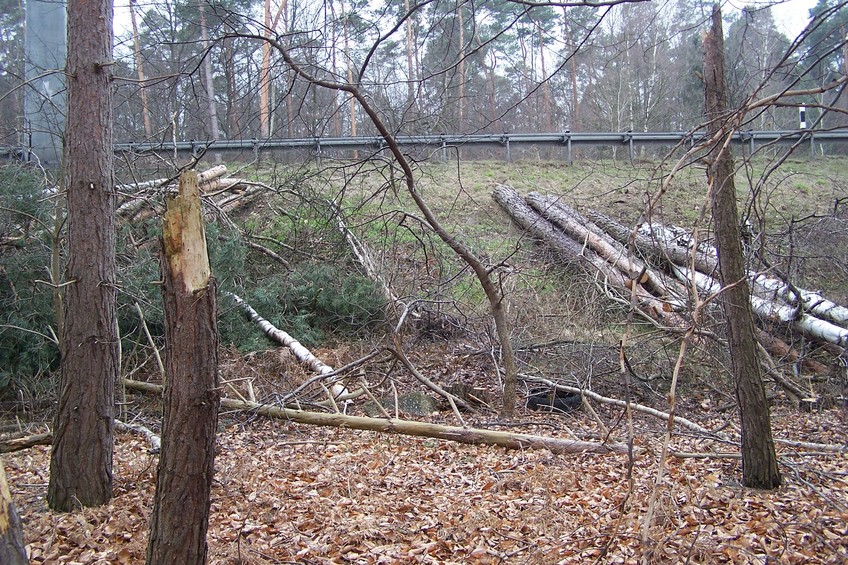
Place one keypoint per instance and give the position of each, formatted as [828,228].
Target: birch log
[812,302]
[656,242]
[669,244]
[771,311]
[300,352]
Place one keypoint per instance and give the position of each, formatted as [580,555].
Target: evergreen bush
[27,318]
[315,299]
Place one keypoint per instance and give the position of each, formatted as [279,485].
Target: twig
[150,340]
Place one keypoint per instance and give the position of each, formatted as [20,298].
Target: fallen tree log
[656,243]
[137,193]
[240,191]
[580,229]
[300,352]
[534,224]
[17,444]
[202,178]
[674,245]
[541,228]
[473,436]
[770,311]
[671,249]
[779,349]
[810,301]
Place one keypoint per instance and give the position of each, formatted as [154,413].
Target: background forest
[195,71]
[187,71]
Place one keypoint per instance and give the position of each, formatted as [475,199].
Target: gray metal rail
[568,140]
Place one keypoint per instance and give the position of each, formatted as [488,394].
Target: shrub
[27,318]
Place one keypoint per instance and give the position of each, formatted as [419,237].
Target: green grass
[460,196]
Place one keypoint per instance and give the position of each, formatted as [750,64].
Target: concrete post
[45,97]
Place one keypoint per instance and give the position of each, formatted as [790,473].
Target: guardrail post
[507,154]
[444,151]
[628,138]
[569,156]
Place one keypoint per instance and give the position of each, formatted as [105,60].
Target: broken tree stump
[192,397]
[12,549]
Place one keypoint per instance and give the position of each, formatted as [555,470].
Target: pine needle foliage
[315,298]
[27,318]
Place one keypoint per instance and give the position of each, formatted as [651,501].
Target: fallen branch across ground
[20,443]
[408,427]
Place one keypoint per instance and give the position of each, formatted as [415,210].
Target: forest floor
[289,493]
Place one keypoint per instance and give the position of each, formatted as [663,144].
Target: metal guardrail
[567,140]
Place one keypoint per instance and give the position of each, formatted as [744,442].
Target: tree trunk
[461,70]
[12,550]
[229,63]
[81,458]
[186,464]
[411,100]
[145,107]
[759,461]
[265,79]
[209,82]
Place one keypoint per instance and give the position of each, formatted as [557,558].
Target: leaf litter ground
[288,493]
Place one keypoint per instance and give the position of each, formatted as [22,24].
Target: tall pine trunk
[759,461]
[139,65]
[81,457]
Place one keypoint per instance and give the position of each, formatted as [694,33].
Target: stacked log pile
[658,268]
[141,200]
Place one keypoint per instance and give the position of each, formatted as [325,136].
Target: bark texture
[81,458]
[759,461]
[186,464]
[12,550]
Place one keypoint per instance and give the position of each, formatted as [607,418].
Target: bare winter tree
[448,73]
[759,460]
